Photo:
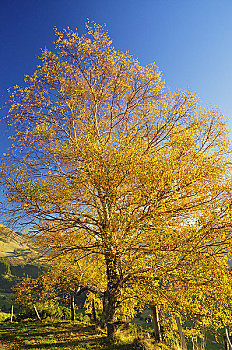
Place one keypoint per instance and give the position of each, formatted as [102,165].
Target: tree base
[112,327]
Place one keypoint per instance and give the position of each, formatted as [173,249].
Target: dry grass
[11,243]
[69,336]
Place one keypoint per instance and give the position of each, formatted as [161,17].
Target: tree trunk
[72,306]
[109,310]
[110,299]
[155,316]
[111,296]
[108,313]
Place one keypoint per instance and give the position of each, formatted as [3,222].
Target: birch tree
[107,163]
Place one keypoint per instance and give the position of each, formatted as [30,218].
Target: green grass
[69,336]
[65,335]
[55,336]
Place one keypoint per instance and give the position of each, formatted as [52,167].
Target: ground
[57,335]
[54,335]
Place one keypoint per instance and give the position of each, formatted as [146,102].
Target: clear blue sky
[190,40]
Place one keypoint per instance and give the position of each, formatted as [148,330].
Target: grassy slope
[12,244]
[60,335]
[66,335]
[14,250]
[17,260]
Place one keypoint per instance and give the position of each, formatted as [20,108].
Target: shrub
[66,312]
[86,319]
[4,316]
[46,311]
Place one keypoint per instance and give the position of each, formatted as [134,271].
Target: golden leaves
[117,167]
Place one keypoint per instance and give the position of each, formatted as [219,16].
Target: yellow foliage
[115,168]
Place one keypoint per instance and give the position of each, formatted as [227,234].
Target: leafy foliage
[133,180]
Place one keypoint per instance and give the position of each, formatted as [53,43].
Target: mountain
[15,260]
[12,245]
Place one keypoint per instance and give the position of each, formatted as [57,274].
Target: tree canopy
[107,164]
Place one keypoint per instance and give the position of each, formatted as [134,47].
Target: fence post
[37,314]
[182,337]
[155,316]
[193,343]
[12,313]
[72,305]
[228,344]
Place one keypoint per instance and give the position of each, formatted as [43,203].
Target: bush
[80,315]
[4,316]
[66,312]
[86,319]
[46,311]
[51,311]
[26,314]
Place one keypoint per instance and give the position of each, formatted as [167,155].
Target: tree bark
[112,294]
[89,288]
[110,298]
[155,316]
[109,310]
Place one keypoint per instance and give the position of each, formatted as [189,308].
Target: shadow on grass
[45,328]
[57,335]
[94,344]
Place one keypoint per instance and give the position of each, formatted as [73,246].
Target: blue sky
[190,41]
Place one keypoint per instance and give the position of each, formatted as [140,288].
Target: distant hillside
[15,259]
[12,245]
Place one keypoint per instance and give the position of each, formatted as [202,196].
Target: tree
[58,283]
[109,164]
[199,292]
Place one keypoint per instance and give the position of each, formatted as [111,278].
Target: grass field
[66,335]
[56,335]
[80,335]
